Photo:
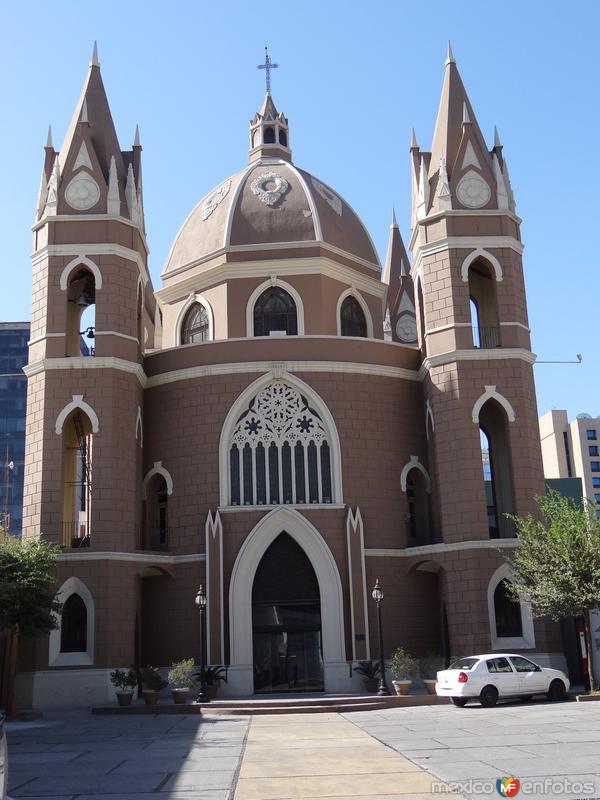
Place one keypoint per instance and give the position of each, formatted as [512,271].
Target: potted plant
[404,668]
[429,666]
[152,683]
[212,678]
[370,672]
[182,679]
[124,682]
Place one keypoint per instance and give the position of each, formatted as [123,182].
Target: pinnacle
[394,222]
[497,142]
[94,62]
[136,141]
[49,139]
[414,145]
[450,55]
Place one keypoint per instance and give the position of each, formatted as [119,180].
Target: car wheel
[557,690]
[461,702]
[488,696]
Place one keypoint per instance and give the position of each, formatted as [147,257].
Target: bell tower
[472,326]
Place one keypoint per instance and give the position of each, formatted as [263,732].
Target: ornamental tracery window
[275,311]
[280,451]
[195,326]
[352,318]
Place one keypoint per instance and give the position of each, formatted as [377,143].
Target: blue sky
[353,78]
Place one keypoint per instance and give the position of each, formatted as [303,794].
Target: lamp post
[377,593]
[201,603]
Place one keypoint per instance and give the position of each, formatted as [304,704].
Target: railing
[76,534]
[486,338]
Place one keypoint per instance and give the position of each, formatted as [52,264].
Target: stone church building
[283,421]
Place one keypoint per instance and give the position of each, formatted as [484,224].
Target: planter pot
[150,697]
[430,685]
[402,687]
[180,696]
[211,690]
[371,684]
[124,698]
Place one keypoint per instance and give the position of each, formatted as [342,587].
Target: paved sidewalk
[557,743]
[314,756]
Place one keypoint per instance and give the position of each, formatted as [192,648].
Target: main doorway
[286,621]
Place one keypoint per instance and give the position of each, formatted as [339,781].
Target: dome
[270,203]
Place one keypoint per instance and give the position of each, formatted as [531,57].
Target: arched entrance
[286,621]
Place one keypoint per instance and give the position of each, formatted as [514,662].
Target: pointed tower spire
[136,140]
[113,200]
[422,203]
[49,139]
[450,55]
[395,259]
[497,142]
[414,145]
[94,62]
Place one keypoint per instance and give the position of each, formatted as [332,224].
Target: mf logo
[508,786]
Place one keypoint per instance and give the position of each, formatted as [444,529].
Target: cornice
[92,249]
[92,218]
[136,557]
[85,363]
[463,243]
[442,547]
[495,354]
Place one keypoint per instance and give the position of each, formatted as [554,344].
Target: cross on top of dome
[268,66]
[269,132]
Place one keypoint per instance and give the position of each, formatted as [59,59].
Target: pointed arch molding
[321,558]
[77,402]
[486,256]
[353,292]
[359,614]
[527,640]
[86,262]
[278,372]
[414,463]
[491,393]
[429,420]
[274,281]
[71,586]
[194,297]
[139,427]
[157,469]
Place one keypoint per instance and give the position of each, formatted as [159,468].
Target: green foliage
[557,563]
[213,675]
[27,586]
[368,669]
[152,680]
[181,674]
[123,679]
[430,665]
[403,666]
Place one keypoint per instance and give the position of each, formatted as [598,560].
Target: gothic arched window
[73,628]
[269,135]
[509,622]
[195,325]
[280,451]
[275,310]
[352,317]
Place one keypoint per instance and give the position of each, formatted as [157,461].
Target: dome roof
[270,202]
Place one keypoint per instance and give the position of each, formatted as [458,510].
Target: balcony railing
[76,533]
[486,338]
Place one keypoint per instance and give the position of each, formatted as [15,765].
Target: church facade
[283,422]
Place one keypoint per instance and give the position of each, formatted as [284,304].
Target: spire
[49,144]
[497,143]
[395,259]
[422,202]
[414,145]
[269,132]
[136,140]
[450,54]
[113,200]
[94,62]
[454,111]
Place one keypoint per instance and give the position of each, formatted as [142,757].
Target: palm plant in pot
[429,667]
[404,668]
[212,678]
[370,671]
[152,683]
[182,679]
[124,681]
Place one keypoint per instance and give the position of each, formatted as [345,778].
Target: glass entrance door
[289,661]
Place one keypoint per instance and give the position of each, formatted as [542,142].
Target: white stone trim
[194,297]
[214,527]
[157,469]
[428,417]
[268,507]
[517,325]
[355,526]
[441,547]
[279,372]
[71,586]
[87,262]
[527,640]
[86,362]
[490,392]
[316,220]
[242,577]
[44,336]
[120,335]
[274,280]
[96,249]
[153,559]
[77,402]
[353,292]
[414,463]
[479,252]
[460,243]
[495,354]
[139,427]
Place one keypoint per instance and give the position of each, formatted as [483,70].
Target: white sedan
[488,677]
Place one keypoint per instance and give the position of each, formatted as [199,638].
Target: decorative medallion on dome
[215,199]
[329,196]
[473,191]
[82,192]
[269,187]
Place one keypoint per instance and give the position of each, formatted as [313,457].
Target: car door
[503,676]
[532,678]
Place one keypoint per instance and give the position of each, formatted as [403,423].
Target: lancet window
[280,451]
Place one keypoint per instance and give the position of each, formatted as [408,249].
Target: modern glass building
[13,400]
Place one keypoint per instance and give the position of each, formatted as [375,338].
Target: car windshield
[463,663]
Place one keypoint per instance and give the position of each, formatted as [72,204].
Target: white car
[488,677]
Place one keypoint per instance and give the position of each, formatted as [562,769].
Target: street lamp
[201,603]
[377,593]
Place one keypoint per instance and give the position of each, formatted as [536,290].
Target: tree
[28,604]
[557,563]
